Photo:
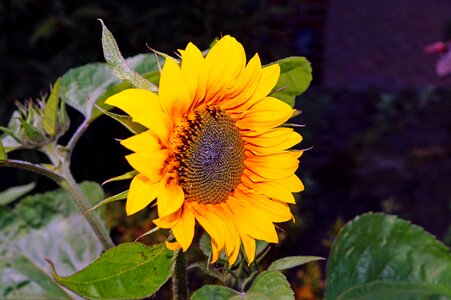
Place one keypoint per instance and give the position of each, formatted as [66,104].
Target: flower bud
[36,123]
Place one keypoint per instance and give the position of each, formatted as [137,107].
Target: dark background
[377,115]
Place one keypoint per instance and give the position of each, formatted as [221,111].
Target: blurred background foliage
[376,148]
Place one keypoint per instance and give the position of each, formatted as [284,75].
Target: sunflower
[213,151]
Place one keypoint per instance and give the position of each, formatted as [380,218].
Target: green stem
[180,278]
[65,179]
[71,187]
[25,165]
[69,184]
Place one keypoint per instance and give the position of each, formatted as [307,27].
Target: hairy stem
[25,165]
[70,186]
[61,161]
[180,278]
[74,139]
[65,179]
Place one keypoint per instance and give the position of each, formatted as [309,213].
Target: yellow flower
[213,152]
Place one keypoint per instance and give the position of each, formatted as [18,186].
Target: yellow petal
[214,251]
[268,80]
[274,166]
[249,247]
[252,221]
[291,183]
[141,193]
[248,244]
[143,142]
[269,138]
[135,101]
[151,164]
[184,229]
[253,176]
[206,216]
[173,91]
[173,246]
[272,189]
[238,96]
[232,238]
[266,114]
[293,139]
[274,210]
[170,198]
[224,62]
[144,107]
[193,66]
[168,221]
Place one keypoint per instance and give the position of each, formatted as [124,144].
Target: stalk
[71,187]
[180,278]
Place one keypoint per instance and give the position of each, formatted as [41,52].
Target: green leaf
[153,76]
[295,78]
[214,292]
[15,192]
[3,155]
[40,226]
[382,248]
[396,291]
[22,266]
[128,271]
[291,262]
[208,269]
[120,196]
[118,64]
[51,110]
[260,247]
[84,86]
[126,176]
[125,120]
[271,284]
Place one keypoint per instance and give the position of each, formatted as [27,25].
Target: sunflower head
[213,152]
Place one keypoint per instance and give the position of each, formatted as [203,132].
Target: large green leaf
[82,86]
[396,291]
[269,285]
[44,226]
[214,292]
[377,253]
[25,280]
[295,78]
[128,271]
[86,85]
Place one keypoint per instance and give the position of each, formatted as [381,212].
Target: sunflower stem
[180,278]
[70,186]
[68,183]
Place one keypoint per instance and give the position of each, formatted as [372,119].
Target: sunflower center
[209,157]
